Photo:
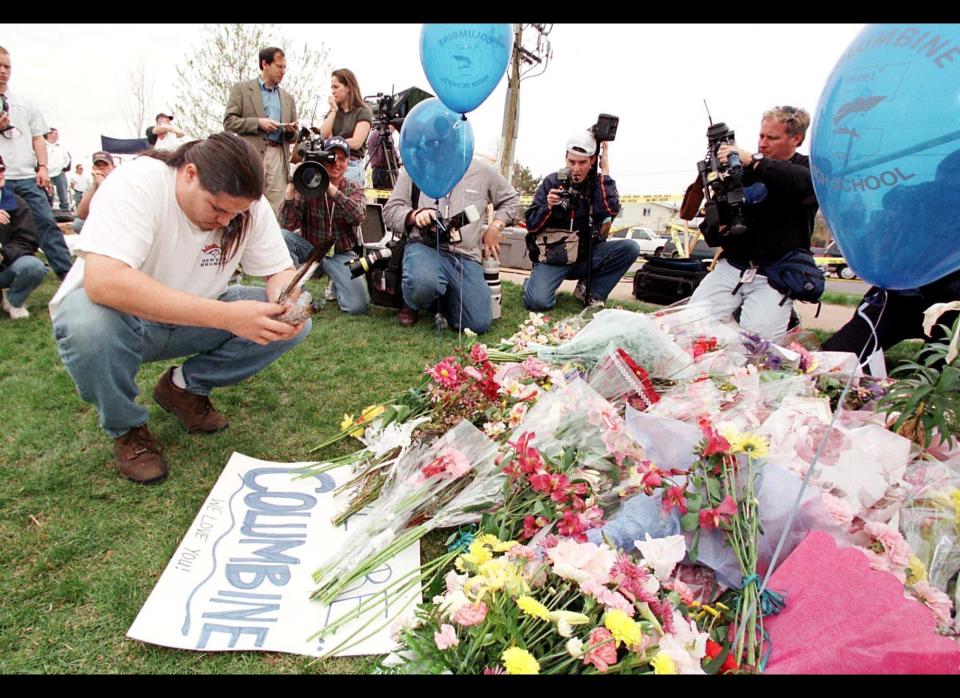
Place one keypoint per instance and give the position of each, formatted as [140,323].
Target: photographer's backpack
[663,280]
[384,283]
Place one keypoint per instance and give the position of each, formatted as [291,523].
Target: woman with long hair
[350,118]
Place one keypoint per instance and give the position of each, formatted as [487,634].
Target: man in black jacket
[562,226]
[779,218]
[20,270]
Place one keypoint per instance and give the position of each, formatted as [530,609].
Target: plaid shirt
[324,221]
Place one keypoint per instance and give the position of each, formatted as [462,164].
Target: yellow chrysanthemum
[502,574]
[519,661]
[503,546]
[733,437]
[477,554]
[916,570]
[487,539]
[753,445]
[532,607]
[663,664]
[624,628]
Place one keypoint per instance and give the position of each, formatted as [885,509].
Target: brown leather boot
[139,457]
[194,411]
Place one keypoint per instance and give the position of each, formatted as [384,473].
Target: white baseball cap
[582,144]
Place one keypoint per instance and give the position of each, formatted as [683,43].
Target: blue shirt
[271,107]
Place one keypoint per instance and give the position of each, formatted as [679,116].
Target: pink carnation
[889,552]
[478,352]
[535,367]
[683,591]
[446,638]
[601,649]
[936,601]
[446,372]
[471,614]
[450,462]
[838,509]
[606,597]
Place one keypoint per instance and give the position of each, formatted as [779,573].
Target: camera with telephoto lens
[447,230]
[311,178]
[722,187]
[376,259]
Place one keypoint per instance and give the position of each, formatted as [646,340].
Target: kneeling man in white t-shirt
[165,234]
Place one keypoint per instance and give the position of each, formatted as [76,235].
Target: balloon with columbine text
[885,153]
[465,62]
[436,145]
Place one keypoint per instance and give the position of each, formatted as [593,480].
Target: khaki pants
[275,176]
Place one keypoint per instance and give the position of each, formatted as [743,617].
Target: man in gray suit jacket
[265,115]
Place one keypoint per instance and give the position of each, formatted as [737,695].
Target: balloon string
[816,458]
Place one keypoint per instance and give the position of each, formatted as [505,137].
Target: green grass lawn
[83,548]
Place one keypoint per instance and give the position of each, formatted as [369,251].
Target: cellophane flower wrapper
[863,465]
[842,617]
[410,493]
[578,417]
[930,523]
[635,332]
[668,442]
[542,330]
[693,322]
[616,381]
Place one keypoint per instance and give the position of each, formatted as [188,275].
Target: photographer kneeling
[451,272]
[778,215]
[330,221]
[568,209]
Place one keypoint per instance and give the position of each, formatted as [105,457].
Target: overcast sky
[653,76]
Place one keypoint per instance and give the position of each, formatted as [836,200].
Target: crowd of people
[165,236]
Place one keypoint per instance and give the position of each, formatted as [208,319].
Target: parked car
[700,251]
[650,242]
[832,261]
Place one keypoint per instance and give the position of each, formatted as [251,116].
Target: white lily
[930,318]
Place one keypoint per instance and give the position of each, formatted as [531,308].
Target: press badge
[748,275]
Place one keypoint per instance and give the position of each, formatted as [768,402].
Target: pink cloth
[841,617]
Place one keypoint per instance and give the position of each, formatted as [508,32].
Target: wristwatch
[756,157]
[500,225]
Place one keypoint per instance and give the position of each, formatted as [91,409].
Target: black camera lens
[364,264]
[311,180]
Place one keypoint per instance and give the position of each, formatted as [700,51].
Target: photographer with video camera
[760,211]
[328,218]
[443,262]
[567,225]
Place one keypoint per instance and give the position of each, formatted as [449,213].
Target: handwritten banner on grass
[240,579]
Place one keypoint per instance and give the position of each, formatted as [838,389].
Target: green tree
[226,55]
[524,181]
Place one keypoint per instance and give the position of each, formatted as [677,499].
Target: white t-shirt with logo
[135,219]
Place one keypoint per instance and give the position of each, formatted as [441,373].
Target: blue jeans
[352,295]
[77,195]
[77,225]
[60,182]
[102,350]
[458,283]
[49,235]
[611,260]
[21,277]
[356,173]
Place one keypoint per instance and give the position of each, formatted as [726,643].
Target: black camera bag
[663,280]
[796,275]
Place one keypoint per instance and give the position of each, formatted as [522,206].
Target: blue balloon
[885,153]
[436,145]
[465,62]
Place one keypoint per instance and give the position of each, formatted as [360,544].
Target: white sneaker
[328,292]
[579,292]
[15,313]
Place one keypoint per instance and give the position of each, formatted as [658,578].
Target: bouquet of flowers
[567,608]
[419,485]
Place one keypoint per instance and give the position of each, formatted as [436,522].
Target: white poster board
[241,577]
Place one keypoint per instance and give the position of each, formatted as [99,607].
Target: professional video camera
[722,186]
[311,179]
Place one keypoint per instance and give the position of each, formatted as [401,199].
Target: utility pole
[511,108]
